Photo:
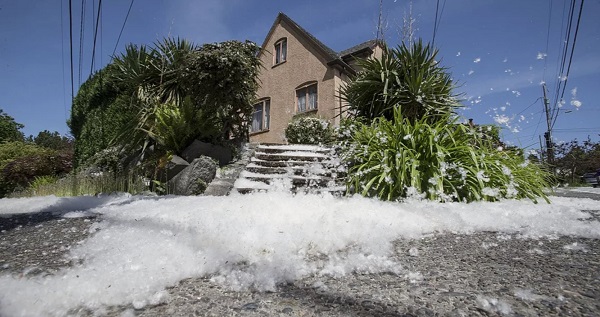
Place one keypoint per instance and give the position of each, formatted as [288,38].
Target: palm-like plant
[406,77]
[159,95]
[157,69]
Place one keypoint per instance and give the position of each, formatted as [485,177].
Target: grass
[73,185]
[440,160]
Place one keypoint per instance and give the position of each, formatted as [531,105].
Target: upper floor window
[261,116]
[306,98]
[280,51]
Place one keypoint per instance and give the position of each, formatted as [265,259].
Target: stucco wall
[304,64]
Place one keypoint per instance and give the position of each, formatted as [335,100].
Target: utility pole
[548,134]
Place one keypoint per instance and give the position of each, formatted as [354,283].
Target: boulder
[194,179]
[220,153]
[174,167]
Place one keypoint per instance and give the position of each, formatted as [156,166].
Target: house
[300,76]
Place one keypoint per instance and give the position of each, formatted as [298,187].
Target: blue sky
[498,51]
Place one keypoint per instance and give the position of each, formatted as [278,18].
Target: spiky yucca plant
[406,76]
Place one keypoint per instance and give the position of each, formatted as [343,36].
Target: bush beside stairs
[295,168]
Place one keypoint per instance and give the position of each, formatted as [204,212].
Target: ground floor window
[261,116]
[306,98]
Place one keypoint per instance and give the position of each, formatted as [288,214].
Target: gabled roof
[367,46]
[332,57]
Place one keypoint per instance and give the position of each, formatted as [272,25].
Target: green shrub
[10,151]
[439,160]
[308,130]
[22,171]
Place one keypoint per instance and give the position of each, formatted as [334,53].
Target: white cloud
[477,60]
[576,103]
[471,72]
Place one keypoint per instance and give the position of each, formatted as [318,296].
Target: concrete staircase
[293,168]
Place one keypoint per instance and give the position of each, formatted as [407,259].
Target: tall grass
[77,185]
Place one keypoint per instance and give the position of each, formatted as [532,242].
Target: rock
[198,148]
[174,167]
[194,179]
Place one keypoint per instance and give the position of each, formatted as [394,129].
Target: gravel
[482,274]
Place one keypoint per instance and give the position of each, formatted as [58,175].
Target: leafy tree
[574,158]
[52,140]
[408,77]
[9,129]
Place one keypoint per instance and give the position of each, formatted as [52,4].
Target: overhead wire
[95,36]
[81,38]
[547,40]
[561,70]
[539,98]
[437,7]
[71,46]
[570,57]
[62,46]
[437,20]
[560,47]
[122,28]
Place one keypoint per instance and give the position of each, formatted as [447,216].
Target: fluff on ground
[142,245]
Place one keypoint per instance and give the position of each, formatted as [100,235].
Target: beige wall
[304,64]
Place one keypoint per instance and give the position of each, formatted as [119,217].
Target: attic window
[280,51]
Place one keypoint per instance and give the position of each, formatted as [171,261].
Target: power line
[71,46]
[561,74]
[547,40]
[437,20]
[81,37]
[95,36]
[62,46]
[571,57]
[596,129]
[122,27]
[529,106]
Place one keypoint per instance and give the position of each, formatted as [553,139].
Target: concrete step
[293,148]
[338,192]
[291,156]
[301,170]
[294,168]
[327,163]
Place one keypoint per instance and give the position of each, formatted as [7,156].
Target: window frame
[265,110]
[280,51]
[306,89]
